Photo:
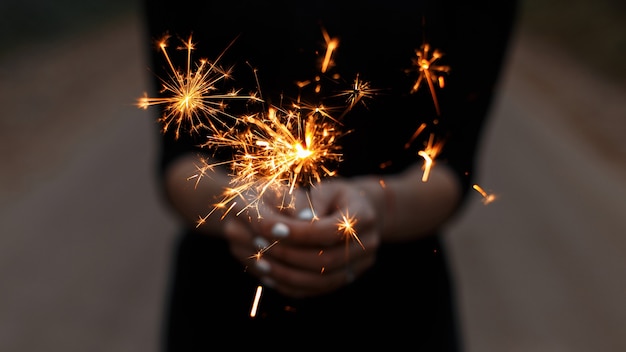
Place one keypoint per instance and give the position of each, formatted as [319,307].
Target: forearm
[410,208]
[192,198]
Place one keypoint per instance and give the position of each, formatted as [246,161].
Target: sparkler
[282,149]
[275,150]
[331,44]
[285,147]
[192,99]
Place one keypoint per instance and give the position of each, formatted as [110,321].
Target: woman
[389,283]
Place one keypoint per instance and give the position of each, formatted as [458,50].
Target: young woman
[388,283]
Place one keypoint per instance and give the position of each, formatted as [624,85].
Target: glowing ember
[429,153]
[487,197]
[255,302]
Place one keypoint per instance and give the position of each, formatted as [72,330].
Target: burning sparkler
[192,99]
[275,150]
[360,90]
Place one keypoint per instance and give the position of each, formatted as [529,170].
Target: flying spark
[487,197]
[424,62]
[255,302]
[429,153]
[259,254]
[346,227]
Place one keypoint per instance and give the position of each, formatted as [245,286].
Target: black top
[283,41]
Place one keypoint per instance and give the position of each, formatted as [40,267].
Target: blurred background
[85,240]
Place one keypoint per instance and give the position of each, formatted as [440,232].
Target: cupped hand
[322,243]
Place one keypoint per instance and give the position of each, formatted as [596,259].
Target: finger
[237,231]
[303,283]
[318,233]
[314,258]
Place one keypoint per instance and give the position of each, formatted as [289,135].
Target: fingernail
[260,242]
[305,214]
[268,282]
[263,266]
[280,230]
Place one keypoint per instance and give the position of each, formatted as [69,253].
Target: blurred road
[85,240]
[543,268]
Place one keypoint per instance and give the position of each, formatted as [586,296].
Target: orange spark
[429,153]
[331,45]
[255,302]
[487,197]
[359,90]
[415,134]
[424,62]
[346,227]
[262,251]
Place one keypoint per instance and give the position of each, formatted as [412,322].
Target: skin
[315,257]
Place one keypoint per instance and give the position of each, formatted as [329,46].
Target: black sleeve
[477,52]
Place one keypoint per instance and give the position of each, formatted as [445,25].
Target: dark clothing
[407,298]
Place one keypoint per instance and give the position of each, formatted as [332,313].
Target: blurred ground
[84,251]
[543,267]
